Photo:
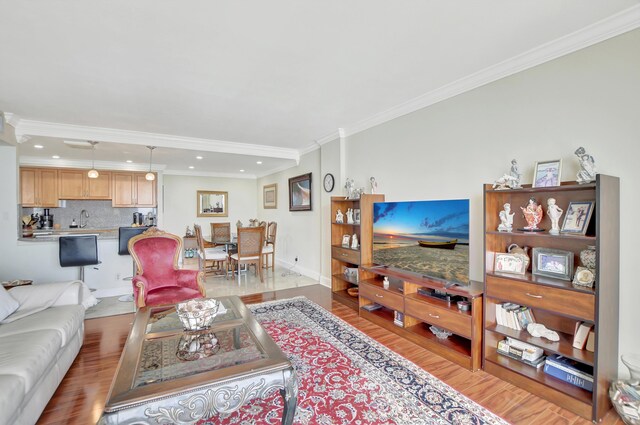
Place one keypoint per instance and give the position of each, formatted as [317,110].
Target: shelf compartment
[563,347]
[343,297]
[345,279]
[590,240]
[564,186]
[542,281]
[455,342]
[453,307]
[560,388]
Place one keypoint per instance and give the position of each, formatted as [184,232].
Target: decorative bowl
[440,333]
[197,314]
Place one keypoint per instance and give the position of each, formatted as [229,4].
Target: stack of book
[398,319]
[521,351]
[571,371]
[372,307]
[514,316]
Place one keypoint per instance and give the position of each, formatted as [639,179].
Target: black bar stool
[78,251]
[124,234]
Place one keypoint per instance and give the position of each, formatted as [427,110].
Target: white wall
[298,231]
[590,98]
[180,202]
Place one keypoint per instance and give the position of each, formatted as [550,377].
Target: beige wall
[590,98]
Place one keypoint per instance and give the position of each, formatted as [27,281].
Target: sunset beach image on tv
[430,238]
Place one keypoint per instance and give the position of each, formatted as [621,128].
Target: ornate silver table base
[207,401]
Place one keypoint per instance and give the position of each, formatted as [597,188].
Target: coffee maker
[138,219]
[46,220]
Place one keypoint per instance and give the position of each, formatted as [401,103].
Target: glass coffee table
[168,375]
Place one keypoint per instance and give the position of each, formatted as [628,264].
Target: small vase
[632,362]
[588,257]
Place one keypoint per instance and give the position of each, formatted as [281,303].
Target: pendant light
[150,176]
[93,173]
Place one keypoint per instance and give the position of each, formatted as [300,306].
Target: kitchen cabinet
[76,184]
[133,190]
[39,187]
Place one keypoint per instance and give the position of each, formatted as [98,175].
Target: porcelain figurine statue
[515,173]
[587,171]
[554,212]
[349,187]
[533,214]
[339,216]
[506,219]
[349,216]
[504,182]
[374,185]
[354,241]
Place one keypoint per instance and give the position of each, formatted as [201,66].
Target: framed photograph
[270,196]
[577,217]
[510,263]
[300,193]
[212,204]
[351,273]
[356,216]
[547,173]
[346,241]
[584,277]
[553,263]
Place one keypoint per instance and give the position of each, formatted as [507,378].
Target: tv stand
[410,314]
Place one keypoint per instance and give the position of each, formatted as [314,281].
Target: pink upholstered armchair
[158,280]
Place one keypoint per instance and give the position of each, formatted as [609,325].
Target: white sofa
[38,343]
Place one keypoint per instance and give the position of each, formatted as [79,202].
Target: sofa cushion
[66,320]
[8,304]
[29,355]
[11,396]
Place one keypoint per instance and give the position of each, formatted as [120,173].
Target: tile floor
[247,284]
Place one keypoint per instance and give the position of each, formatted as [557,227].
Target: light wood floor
[81,396]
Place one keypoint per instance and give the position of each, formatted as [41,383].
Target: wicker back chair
[270,245]
[220,233]
[210,260]
[250,246]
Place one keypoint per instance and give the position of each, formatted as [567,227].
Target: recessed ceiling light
[258,162]
[56,157]
[242,171]
[38,146]
[198,157]
[128,161]
[191,167]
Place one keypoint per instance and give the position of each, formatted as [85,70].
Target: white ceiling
[280,74]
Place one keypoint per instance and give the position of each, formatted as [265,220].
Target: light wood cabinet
[556,303]
[39,187]
[133,190]
[76,184]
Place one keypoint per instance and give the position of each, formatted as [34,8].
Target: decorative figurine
[374,185]
[515,173]
[385,282]
[506,219]
[238,223]
[587,171]
[350,216]
[354,241]
[339,216]
[533,214]
[554,212]
[349,186]
[540,330]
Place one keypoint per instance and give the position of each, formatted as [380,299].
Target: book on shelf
[513,316]
[398,318]
[570,371]
[525,351]
[581,334]
[372,307]
[508,351]
[591,341]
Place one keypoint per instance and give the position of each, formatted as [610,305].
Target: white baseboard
[313,274]
[113,291]
[325,281]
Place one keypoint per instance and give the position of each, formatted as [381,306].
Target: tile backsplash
[101,214]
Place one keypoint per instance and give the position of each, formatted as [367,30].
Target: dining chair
[210,260]
[220,233]
[250,246]
[269,249]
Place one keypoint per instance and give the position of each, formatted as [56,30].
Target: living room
[443,145]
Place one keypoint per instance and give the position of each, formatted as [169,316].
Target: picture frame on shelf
[270,196]
[356,216]
[510,263]
[351,273]
[300,193]
[212,203]
[547,173]
[346,241]
[583,277]
[555,263]
[577,217]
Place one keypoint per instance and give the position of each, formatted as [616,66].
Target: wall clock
[328,182]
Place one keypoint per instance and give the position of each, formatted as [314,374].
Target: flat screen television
[429,238]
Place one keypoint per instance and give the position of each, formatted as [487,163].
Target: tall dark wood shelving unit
[557,303]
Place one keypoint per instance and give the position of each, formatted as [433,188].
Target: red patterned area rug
[345,377]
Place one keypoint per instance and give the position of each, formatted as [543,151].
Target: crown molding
[100,134]
[308,149]
[614,25]
[209,174]
[329,137]
[275,171]
[78,163]
[11,119]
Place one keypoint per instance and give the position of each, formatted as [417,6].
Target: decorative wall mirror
[212,204]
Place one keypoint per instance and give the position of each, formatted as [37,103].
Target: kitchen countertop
[53,235]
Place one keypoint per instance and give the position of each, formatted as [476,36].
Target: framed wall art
[577,218]
[553,263]
[270,196]
[547,173]
[300,193]
[212,204]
